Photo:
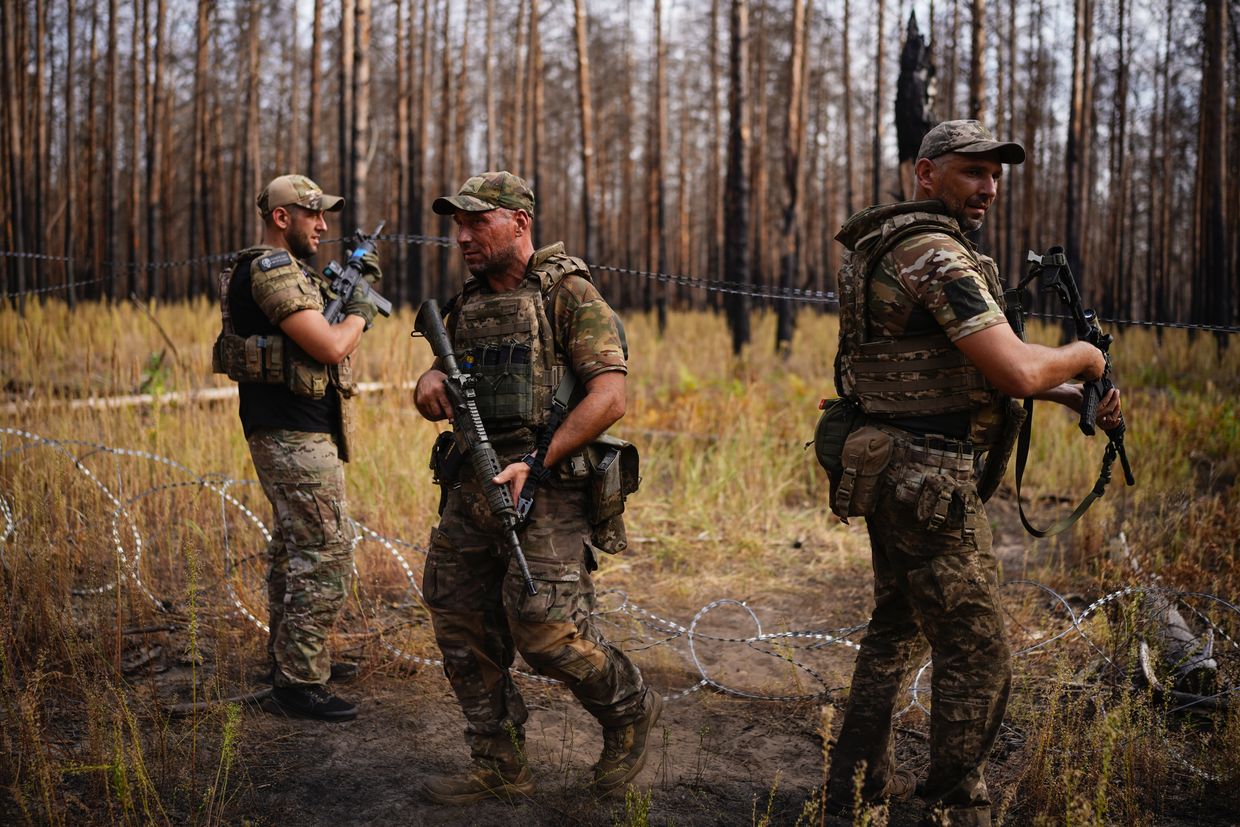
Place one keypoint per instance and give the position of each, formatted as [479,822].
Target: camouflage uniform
[297,435]
[481,612]
[935,582]
[311,549]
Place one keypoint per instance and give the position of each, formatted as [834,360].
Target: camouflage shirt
[584,324]
[930,282]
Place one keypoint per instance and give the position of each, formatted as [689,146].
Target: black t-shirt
[274,405]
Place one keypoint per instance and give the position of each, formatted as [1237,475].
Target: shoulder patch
[276,258]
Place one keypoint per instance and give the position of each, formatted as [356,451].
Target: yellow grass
[731,504]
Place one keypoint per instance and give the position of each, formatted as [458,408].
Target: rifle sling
[1100,487]
[1015,303]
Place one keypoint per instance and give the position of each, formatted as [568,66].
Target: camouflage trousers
[482,615]
[311,549]
[935,590]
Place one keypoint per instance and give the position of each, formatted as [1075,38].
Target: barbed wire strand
[773,293]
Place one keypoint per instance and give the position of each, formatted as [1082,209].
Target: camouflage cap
[486,192]
[296,189]
[968,137]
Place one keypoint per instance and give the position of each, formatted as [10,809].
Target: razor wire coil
[768,644]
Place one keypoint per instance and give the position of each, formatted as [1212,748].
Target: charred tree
[736,259]
[790,246]
[914,101]
[585,110]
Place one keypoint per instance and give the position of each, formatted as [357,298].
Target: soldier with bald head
[293,370]
[929,360]
[543,346]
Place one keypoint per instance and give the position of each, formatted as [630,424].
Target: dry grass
[731,503]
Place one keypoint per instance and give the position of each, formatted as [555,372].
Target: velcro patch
[279,258]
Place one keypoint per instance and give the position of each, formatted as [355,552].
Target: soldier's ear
[925,173]
[522,220]
[280,218]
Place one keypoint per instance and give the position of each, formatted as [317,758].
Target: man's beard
[970,225]
[299,245]
[496,265]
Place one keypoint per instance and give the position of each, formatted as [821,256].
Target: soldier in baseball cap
[968,137]
[290,190]
[939,383]
[479,607]
[486,192]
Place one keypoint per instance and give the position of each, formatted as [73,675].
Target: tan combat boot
[481,782]
[624,749]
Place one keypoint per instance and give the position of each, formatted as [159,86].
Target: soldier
[927,355]
[524,320]
[295,383]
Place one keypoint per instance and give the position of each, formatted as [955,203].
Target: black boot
[313,701]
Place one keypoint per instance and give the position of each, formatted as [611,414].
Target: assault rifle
[461,394]
[348,279]
[1054,276]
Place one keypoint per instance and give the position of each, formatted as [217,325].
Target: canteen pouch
[615,472]
[864,459]
[839,416]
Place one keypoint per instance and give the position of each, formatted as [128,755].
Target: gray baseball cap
[969,137]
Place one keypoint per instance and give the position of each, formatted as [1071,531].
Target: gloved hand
[370,268]
[360,304]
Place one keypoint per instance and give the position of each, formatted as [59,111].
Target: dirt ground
[717,758]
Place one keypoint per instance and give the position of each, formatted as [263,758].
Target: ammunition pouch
[995,466]
[864,459]
[273,360]
[945,503]
[249,358]
[615,473]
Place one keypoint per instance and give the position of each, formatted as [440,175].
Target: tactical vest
[507,341]
[903,376]
[271,358]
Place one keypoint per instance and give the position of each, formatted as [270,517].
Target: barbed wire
[773,293]
[623,616]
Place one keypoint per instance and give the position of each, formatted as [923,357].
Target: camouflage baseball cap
[486,192]
[968,137]
[296,189]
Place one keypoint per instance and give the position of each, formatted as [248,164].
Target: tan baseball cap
[969,137]
[486,192]
[297,189]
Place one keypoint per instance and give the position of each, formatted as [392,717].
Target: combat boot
[901,786]
[624,749]
[313,701]
[483,781]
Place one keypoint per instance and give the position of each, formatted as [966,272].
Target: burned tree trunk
[585,109]
[914,102]
[1211,303]
[736,259]
[790,247]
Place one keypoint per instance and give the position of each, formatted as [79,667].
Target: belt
[931,442]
